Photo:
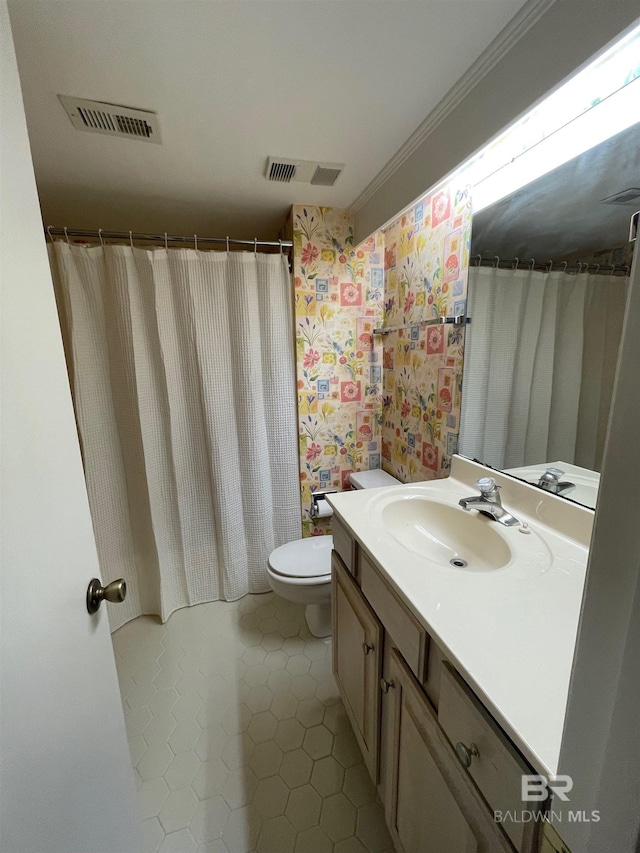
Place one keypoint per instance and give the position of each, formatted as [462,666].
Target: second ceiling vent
[284,170]
[628,196]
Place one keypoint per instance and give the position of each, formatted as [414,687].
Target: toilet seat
[306,560]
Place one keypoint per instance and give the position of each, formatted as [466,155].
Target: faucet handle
[486,485]
[554,473]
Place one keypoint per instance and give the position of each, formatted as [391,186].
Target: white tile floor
[238,736]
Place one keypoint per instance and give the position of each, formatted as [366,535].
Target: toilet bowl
[301,570]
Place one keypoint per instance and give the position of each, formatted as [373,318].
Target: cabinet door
[357,656]
[430,804]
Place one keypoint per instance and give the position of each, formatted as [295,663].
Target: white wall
[563,39]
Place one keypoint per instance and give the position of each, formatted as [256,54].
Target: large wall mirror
[547,291]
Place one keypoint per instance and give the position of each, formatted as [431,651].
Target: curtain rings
[564,266]
[550,266]
[227,244]
[100,237]
[497,261]
[516,261]
[479,257]
[49,233]
[532,261]
[597,269]
[166,242]
[131,239]
[255,246]
[195,242]
[66,235]
[280,241]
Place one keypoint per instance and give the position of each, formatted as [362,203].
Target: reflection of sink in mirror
[586,482]
[446,534]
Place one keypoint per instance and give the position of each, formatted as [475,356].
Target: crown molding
[528,15]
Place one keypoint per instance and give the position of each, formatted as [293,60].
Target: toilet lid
[304,558]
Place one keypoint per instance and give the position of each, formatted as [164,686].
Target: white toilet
[301,570]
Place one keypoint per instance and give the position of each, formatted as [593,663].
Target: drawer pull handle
[367,647]
[385,686]
[466,753]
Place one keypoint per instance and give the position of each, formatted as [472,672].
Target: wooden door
[357,657]
[431,805]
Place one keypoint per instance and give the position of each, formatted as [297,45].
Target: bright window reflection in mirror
[597,103]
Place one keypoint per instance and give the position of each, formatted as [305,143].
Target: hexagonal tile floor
[238,737]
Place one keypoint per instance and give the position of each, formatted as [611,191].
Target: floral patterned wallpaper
[339,295]
[426,264]
[370,401]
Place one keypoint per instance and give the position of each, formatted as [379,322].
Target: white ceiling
[561,215]
[233,82]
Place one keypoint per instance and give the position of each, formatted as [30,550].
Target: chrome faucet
[488,502]
[550,482]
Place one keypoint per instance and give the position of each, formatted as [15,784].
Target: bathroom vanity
[453,638]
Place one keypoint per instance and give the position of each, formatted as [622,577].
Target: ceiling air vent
[111,119]
[628,196]
[285,170]
[324,177]
[282,172]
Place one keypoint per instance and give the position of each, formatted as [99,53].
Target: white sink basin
[446,534]
[434,527]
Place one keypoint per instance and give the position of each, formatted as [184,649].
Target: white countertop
[511,631]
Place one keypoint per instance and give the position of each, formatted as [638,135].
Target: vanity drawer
[344,544]
[498,768]
[408,634]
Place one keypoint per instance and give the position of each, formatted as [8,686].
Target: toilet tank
[374,479]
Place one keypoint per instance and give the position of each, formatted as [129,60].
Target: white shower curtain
[182,371]
[539,365]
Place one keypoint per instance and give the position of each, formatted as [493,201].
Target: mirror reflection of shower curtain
[539,366]
[182,373]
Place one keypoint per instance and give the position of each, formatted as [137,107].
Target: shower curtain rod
[160,238]
[531,263]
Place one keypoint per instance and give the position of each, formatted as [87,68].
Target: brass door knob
[116,591]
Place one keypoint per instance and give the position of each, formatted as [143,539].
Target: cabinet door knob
[386,686]
[367,647]
[466,753]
